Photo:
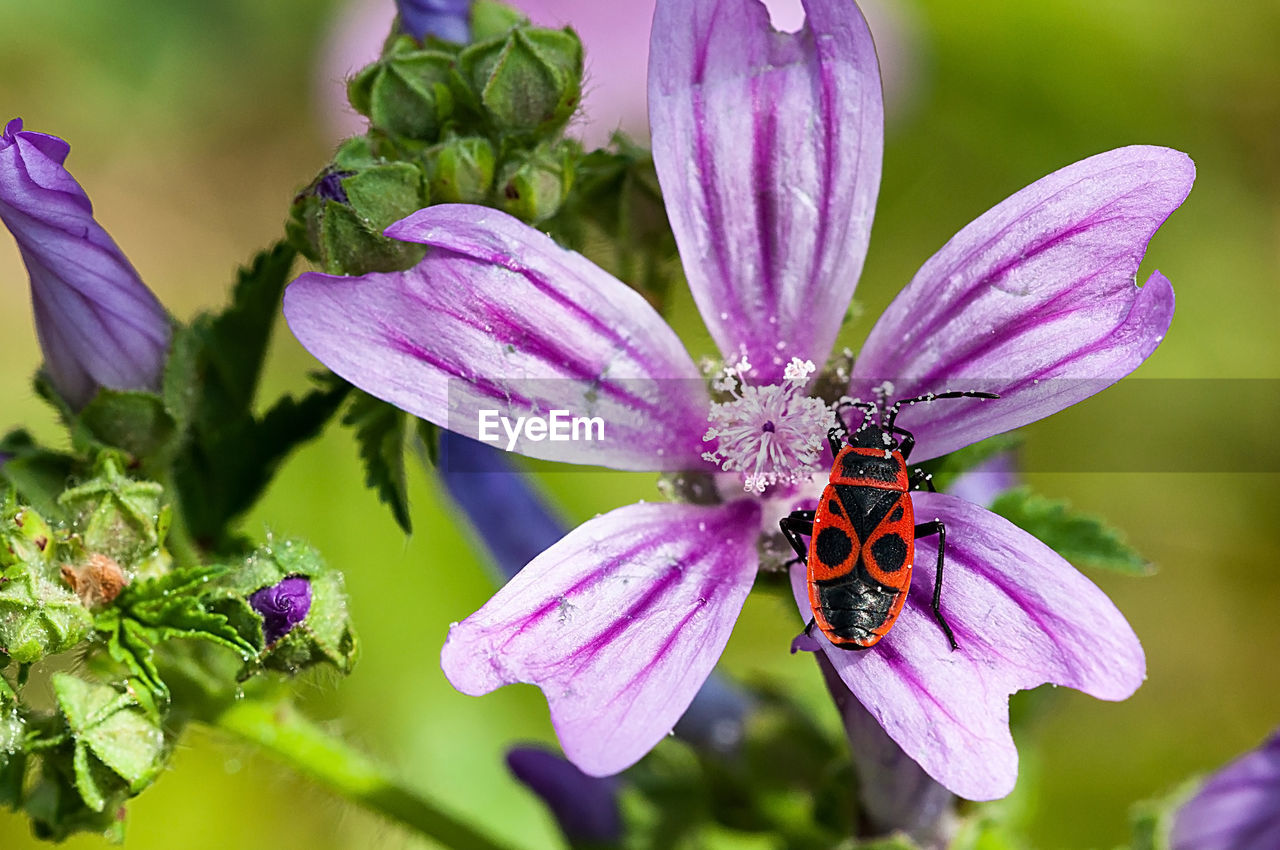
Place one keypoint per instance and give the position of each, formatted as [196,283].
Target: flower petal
[1022,616]
[585,807]
[1035,300]
[501,318]
[1237,809]
[99,325]
[768,148]
[619,623]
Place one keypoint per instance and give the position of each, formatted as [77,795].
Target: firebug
[862,536]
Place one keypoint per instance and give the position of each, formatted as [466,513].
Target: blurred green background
[192,125]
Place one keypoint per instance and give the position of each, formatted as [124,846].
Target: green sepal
[1083,539]
[109,725]
[408,92]
[38,617]
[461,170]
[381,430]
[528,80]
[39,474]
[490,19]
[25,537]
[1151,821]
[115,515]
[57,807]
[136,422]
[533,186]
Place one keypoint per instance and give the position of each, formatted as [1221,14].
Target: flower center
[771,434]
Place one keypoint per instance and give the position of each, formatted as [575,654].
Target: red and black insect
[862,536]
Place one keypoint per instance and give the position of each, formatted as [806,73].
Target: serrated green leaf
[1081,538]
[136,422]
[381,431]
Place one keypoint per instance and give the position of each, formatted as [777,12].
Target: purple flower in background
[99,325]
[447,19]
[282,606]
[768,148]
[585,807]
[1238,808]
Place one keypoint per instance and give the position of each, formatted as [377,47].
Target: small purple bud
[282,606]
[585,807]
[446,19]
[98,324]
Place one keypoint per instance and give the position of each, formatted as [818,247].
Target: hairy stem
[281,730]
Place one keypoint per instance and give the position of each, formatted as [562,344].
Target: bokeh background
[193,124]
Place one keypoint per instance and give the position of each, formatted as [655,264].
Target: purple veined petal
[1022,616]
[1238,808]
[499,318]
[98,324]
[1034,300]
[619,624]
[768,147]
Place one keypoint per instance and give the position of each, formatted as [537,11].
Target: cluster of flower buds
[448,123]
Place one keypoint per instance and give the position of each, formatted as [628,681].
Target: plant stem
[280,729]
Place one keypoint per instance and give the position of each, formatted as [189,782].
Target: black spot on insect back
[890,553]
[833,546]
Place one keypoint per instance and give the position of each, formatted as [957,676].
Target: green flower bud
[528,80]
[24,535]
[534,187]
[408,92]
[461,171]
[338,220]
[490,19]
[317,632]
[38,617]
[116,516]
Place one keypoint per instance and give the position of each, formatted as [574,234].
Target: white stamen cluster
[772,434]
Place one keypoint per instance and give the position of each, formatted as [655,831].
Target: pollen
[771,434]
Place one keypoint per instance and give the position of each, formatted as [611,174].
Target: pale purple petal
[499,318]
[982,484]
[99,325]
[619,623]
[585,807]
[1022,616]
[768,147]
[1035,300]
[1237,809]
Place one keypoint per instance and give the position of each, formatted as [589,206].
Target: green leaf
[1081,538]
[381,430]
[37,616]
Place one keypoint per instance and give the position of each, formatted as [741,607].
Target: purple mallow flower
[1238,808]
[768,148]
[585,807]
[446,19]
[99,325]
[282,606]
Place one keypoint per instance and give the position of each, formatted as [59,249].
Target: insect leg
[794,525]
[868,410]
[924,529]
[919,478]
[908,441]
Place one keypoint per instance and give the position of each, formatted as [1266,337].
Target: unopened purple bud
[99,325]
[585,807]
[282,606]
[446,19]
